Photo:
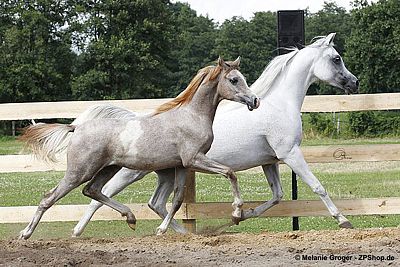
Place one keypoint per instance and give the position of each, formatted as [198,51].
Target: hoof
[131,220]
[132,226]
[23,236]
[160,231]
[236,220]
[346,225]
[75,235]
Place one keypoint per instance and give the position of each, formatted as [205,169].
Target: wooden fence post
[190,197]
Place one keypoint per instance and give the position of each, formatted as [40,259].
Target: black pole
[291,34]
[295,220]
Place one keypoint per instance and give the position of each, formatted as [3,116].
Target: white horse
[262,137]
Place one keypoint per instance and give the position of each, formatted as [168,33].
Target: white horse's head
[329,67]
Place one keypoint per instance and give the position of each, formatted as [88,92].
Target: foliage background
[109,49]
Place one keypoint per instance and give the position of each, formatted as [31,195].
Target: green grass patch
[10,145]
[27,189]
[325,141]
[21,189]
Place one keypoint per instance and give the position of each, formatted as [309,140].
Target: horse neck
[291,86]
[205,101]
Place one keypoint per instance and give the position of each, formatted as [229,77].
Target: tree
[254,41]
[331,18]
[193,46]
[127,50]
[372,49]
[35,54]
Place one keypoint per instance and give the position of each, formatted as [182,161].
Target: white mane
[277,66]
[261,86]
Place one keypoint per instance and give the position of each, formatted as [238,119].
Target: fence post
[190,197]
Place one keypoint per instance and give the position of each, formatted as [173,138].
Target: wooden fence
[191,210]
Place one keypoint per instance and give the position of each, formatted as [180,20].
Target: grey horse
[177,135]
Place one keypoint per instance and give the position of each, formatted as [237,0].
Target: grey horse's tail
[46,140]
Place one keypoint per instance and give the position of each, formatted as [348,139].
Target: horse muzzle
[351,86]
[254,103]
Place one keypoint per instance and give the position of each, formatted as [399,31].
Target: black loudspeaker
[290,29]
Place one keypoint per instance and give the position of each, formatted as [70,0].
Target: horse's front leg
[295,160]
[203,164]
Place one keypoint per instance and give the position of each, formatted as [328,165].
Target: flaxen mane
[206,74]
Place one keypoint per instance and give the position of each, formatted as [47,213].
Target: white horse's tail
[46,140]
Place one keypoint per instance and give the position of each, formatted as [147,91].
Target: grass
[352,180]
[27,188]
[325,141]
[10,145]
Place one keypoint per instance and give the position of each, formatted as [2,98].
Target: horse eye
[234,81]
[337,60]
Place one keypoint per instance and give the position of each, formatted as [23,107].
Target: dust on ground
[366,247]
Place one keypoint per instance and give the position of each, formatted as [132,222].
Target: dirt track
[272,249]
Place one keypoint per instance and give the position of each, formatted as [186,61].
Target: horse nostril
[256,102]
[357,83]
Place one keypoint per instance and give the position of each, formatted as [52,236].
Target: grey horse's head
[329,66]
[233,86]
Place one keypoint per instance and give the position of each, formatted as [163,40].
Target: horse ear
[222,63]
[329,38]
[236,63]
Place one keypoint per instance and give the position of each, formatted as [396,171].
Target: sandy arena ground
[372,247]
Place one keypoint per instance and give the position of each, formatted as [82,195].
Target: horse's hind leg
[272,173]
[93,190]
[118,182]
[166,181]
[180,179]
[63,188]
[296,162]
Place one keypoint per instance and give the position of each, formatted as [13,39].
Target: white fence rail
[191,210]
